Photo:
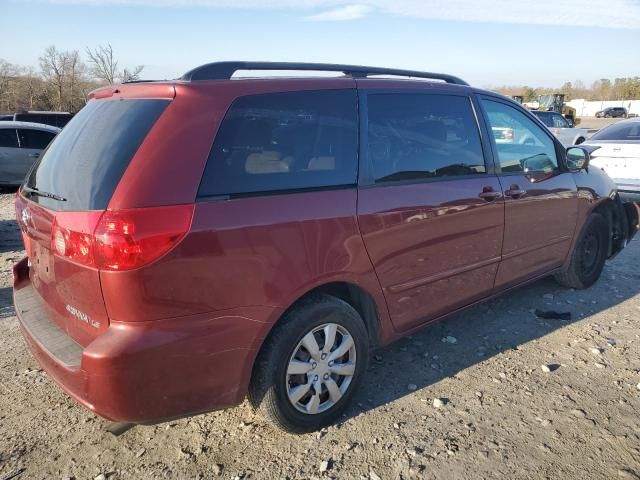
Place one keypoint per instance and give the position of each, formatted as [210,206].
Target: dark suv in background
[55,119]
[197,241]
[612,112]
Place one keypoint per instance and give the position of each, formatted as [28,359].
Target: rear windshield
[87,159]
[545,118]
[619,131]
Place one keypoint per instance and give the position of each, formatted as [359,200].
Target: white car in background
[618,154]
[561,128]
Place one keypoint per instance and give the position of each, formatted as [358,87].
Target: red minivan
[193,242]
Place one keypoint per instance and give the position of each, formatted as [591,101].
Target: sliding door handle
[515,191]
[490,195]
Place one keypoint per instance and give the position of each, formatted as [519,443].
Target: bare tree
[7,73]
[133,75]
[28,89]
[62,73]
[104,66]
[53,66]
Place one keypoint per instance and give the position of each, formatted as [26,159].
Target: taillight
[72,236]
[119,239]
[126,239]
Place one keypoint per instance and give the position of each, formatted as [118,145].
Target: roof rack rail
[225,70]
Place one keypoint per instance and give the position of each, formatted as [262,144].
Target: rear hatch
[64,201]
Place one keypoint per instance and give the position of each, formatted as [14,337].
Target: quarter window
[8,138]
[284,141]
[522,145]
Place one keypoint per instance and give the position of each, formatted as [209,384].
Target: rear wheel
[589,255]
[311,365]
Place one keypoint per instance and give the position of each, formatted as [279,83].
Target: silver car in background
[561,128]
[20,146]
[618,154]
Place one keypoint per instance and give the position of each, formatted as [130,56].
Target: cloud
[580,13]
[348,12]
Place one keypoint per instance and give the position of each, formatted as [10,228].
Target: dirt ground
[501,414]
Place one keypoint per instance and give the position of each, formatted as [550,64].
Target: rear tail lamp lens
[132,238]
[120,239]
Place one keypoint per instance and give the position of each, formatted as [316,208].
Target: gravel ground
[492,393]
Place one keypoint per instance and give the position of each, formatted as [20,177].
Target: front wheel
[311,365]
[589,255]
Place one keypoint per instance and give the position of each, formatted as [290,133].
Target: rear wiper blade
[40,193]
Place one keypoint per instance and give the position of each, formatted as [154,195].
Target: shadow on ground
[6,303]
[10,239]
[487,330]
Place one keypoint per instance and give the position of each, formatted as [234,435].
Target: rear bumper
[146,372]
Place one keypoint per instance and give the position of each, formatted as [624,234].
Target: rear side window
[414,136]
[284,141]
[619,131]
[545,118]
[35,139]
[8,138]
[87,159]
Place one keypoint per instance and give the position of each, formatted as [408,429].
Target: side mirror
[578,159]
[571,122]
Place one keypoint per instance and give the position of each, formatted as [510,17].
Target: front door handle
[34,155]
[515,191]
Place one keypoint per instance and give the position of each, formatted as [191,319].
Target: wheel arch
[615,215]
[357,297]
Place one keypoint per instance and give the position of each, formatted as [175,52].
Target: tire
[579,141]
[273,386]
[588,256]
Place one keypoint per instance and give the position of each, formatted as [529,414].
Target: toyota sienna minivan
[194,242]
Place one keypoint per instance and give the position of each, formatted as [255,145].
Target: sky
[486,42]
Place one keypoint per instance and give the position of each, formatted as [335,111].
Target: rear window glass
[545,118]
[284,141]
[8,138]
[87,159]
[619,131]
